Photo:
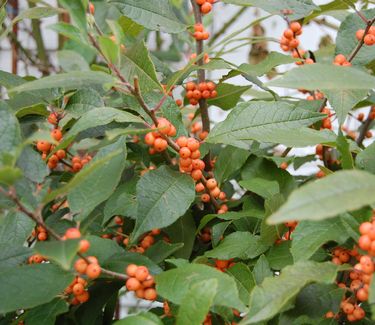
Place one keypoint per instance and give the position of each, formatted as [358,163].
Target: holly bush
[115,182]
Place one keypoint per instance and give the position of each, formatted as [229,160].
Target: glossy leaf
[336,193]
[228,95]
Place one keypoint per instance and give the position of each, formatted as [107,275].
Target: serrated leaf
[244,279]
[15,227]
[325,77]
[174,284]
[16,282]
[32,165]
[197,302]
[276,122]
[366,159]
[163,196]
[262,187]
[229,161]
[342,101]
[279,255]
[162,250]
[69,31]
[96,187]
[10,133]
[240,244]
[262,269]
[228,95]
[137,63]
[155,15]
[72,61]
[346,40]
[62,252]
[299,8]
[274,293]
[12,255]
[68,81]
[310,235]
[343,147]
[339,192]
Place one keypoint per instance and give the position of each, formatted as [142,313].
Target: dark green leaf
[228,95]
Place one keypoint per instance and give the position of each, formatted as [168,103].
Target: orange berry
[185,152]
[84,246]
[359,313]
[215,192]
[140,293]
[149,282]
[43,146]
[213,94]
[160,144]
[284,165]
[141,273]
[196,174]
[369,39]
[206,8]
[359,34]
[193,144]
[164,125]
[78,289]
[182,141]
[93,270]
[199,187]
[131,269]
[362,294]
[185,162]
[211,183]
[60,154]
[83,297]
[295,26]
[80,266]
[195,154]
[150,294]
[205,198]
[149,139]
[155,231]
[56,134]
[198,27]
[72,233]
[92,8]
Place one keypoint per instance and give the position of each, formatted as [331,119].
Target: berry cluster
[146,241]
[89,266]
[212,189]
[205,5]
[369,38]
[74,233]
[189,161]
[204,90]
[289,41]
[141,282]
[40,233]
[156,139]
[196,128]
[326,122]
[78,289]
[340,59]
[200,34]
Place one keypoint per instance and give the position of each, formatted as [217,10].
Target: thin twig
[361,42]
[365,127]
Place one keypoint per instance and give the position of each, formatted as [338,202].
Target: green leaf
[15,227]
[163,196]
[310,235]
[97,186]
[262,269]
[327,197]
[346,40]
[144,318]
[36,13]
[16,282]
[280,256]
[162,250]
[262,187]
[182,231]
[343,147]
[155,15]
[240,244]
[69,31]
[68,81]
[9,175]
[275,293]
[276,122]
[102,116]
[130,27]
[12,255]
[122,202]
[62,252]
[32,165]
[137,63]
[244,279]
[77,12]
[197,302]
[366,159]
[228,95]
[46,314]
[72,61]
[10,133]
[110,49]
[299,8]
[86,173]
[343,101]
[174,284]
[325,77]
[229,161]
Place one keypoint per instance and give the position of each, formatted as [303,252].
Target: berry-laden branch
[367,38]
[201,72]
[37,218]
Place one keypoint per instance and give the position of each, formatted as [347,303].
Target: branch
[361,42]
[365,127]
[37,218]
